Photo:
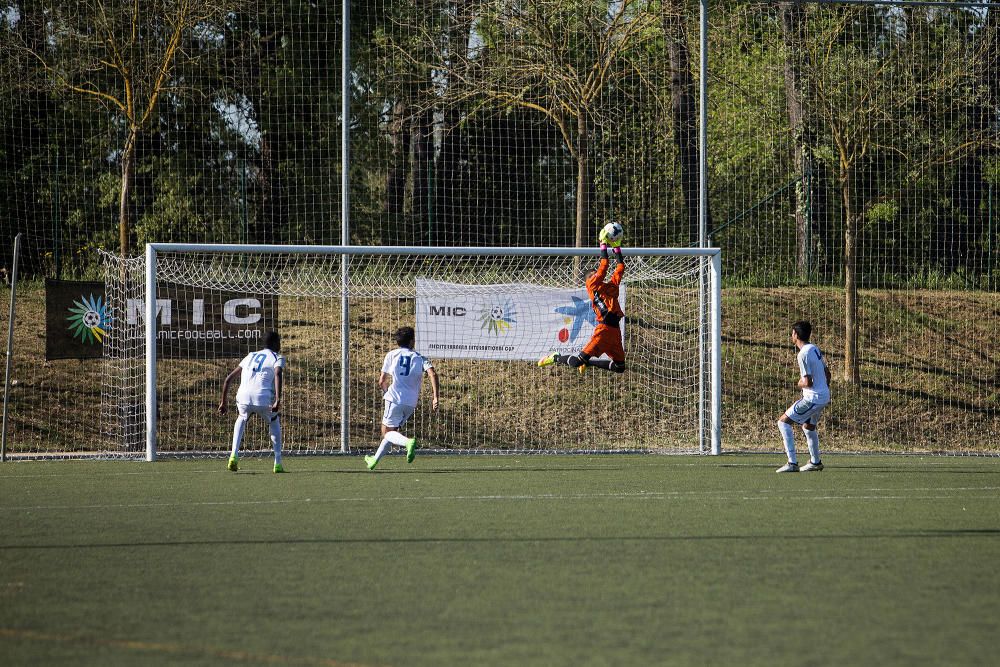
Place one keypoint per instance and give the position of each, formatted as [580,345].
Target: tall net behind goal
[484,320]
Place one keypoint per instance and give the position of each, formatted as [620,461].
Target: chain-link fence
[853,165]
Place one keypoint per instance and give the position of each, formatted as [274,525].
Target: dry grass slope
[930,382]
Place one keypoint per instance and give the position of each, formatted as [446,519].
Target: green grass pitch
[532,560]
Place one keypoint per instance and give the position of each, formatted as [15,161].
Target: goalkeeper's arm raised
[616,277]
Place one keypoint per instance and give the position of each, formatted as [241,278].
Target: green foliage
[245,143]
[882,213]
[991,170]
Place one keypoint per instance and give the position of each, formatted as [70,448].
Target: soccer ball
[612,232]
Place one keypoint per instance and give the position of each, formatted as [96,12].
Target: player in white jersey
[259,393]
[814,380]
[402,373]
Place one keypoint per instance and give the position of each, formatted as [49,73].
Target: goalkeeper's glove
[618,255]
[604,250]
[603,236]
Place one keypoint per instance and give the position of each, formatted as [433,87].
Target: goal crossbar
[712,319]
[418,250]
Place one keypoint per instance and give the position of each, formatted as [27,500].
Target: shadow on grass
[460,471]
[965,377]
[920,471]
[914,534]
[887,469]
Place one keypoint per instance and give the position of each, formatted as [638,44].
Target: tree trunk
[395,179]
[423,174]
[450,188]
[582,182]
[270,191]
[684,112]
[582,176]
[792,29]
[128,174]
[959,241]
[851,367]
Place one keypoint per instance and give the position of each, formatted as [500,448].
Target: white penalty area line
[899,461]
[172,649]
[917,493]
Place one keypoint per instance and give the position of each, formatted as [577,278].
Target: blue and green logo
[499,318]
[574,317]
[89,319]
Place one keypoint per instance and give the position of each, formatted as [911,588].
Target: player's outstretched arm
[225,388]
[616,277]
[602,268]
[435,387]
[279,383]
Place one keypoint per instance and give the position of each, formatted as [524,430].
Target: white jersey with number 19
[257,379]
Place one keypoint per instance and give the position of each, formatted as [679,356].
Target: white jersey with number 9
[406,368]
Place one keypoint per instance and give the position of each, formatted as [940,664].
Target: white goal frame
[712,319]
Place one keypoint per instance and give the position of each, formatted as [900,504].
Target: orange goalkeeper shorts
[606,340]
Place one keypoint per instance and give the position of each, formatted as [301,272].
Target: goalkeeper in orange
[607,338]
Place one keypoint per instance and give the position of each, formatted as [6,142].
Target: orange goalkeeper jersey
[604,295]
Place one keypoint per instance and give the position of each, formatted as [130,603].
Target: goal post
[494,399]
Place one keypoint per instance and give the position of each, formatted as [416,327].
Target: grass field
[538,560]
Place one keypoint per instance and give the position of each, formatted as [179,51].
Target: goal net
[482,316]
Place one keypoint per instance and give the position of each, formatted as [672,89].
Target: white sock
[275,428]
[788,436]
[382,447]
[812,439]
[238,428]
[397,438]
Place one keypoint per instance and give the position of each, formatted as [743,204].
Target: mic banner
[192,323]
[502,322]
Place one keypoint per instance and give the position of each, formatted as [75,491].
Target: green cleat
[371,462]
[278,468]
[411,450]
[548,361]
[234,463]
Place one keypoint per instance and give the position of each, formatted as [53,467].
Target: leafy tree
[803,131]
[122,57]
[684,111]
[887,110]
[555,58]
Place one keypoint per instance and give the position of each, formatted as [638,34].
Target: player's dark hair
[803,330]
[272,341]
[404,337]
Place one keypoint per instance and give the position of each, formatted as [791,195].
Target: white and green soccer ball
[612,232]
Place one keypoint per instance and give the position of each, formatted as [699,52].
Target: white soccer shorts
[262,410]
[395,415]
[805,412]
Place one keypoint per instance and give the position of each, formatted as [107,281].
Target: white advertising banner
[514,321]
